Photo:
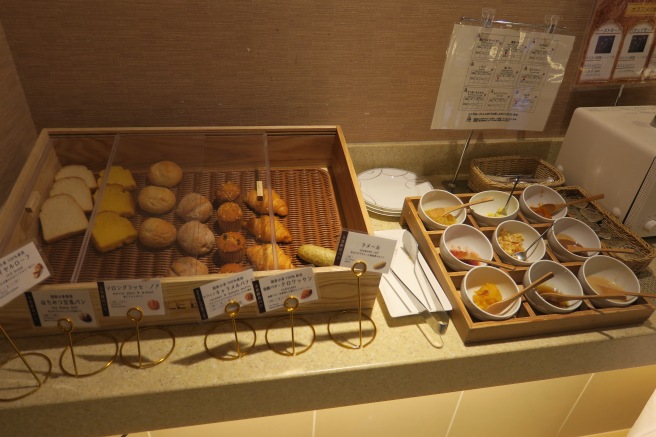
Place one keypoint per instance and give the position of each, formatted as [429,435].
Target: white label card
[375,252]
[117,297]
[21,270]
[272,291]
[213,297]
[48,307]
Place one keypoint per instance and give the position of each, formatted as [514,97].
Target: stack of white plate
[385,189]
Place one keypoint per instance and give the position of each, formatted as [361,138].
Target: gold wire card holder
[25,390]
[135,314]
[291,304]
[67,326]
[359,268]
[231,309]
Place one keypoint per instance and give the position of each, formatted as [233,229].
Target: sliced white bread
[61,217]
[77,189]
[111,231]
[79,171]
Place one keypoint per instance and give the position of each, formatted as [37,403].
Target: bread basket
[532,167]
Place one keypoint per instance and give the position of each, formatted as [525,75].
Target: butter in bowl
[504,206]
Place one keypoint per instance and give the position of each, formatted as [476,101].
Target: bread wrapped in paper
[317,255]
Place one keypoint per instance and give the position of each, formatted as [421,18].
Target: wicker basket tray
[528,321]
[611,231]
[531,166]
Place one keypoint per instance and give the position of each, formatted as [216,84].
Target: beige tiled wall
[605,404]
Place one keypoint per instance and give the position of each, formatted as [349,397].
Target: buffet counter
[405,359]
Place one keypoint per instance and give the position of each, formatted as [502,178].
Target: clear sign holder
[231,309]
[135,314]
[67,326]
[359,268]
[22,356]
[291,304]
[487,21]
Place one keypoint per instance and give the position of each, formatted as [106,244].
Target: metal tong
[438,320]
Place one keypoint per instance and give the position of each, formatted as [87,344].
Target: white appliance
[612,150]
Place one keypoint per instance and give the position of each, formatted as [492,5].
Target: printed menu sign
[500,78]
[48,307]
[375,252]
[213,297]
[620,47]
[21,270]
[272,291]
[117,297]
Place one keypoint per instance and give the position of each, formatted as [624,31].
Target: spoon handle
[464,205]
[491,263]
[583,199]
[510,195]
[558,297]
[498,307]
[575,249]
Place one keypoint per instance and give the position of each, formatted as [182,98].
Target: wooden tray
[528,321]
[310,167]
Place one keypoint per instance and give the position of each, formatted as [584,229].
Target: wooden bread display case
[308,166]
[529,321]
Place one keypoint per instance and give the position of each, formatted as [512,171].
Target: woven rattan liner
[313,218]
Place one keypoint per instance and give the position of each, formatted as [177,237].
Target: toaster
[612,150]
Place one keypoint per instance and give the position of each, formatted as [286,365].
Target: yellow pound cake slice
[116,199]
[119,175]
[111,231]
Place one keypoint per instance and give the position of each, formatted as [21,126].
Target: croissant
[262,206]
[261,256]
[260,227]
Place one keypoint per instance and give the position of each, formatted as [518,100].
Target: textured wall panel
[373,67]
[17,133]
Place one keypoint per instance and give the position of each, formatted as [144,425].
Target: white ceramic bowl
[536,195]
[563,281]
[476,278]
[611,272]
[439,199]
[529,235]
[573,230]
[465,238]
[485,213]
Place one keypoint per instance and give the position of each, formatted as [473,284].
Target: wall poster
[620,47]
[500,78]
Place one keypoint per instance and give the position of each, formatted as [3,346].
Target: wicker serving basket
[620,235]
[534,166]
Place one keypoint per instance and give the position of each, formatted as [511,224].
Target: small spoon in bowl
[504,210]
[441,211]
[523,255]
[551,208]
[499,307]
